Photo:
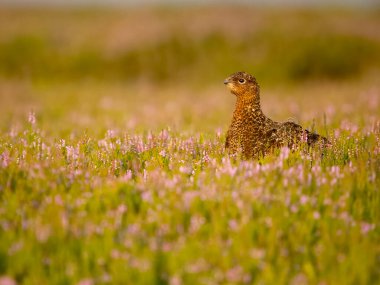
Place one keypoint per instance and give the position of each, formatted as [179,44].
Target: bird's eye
[241,80]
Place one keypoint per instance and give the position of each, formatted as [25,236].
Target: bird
[253,134]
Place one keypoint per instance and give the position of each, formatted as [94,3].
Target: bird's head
[242,83]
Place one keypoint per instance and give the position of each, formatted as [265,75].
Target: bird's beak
[226,81]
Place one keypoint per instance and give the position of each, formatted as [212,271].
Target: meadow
[112,160]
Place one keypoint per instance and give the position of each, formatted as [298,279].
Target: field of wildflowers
[110,182]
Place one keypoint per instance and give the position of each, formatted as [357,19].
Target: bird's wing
[271,134]
[291,127]
[286,134]
[273,137]
[299,134]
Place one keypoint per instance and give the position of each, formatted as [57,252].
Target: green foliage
[330,57]
[272,54]
[23,55]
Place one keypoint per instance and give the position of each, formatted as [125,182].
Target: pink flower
[72,153]
[304,199]
[127,176]
[196,223]
[293,208]
[366,227]
[175,280]
[218,132]
[32,118]
[87,281]
[235,274]
[257,253]
[4,159]
[146,196]
[185,169]
[111,134]
[284,154]
[6,280]
[233,225]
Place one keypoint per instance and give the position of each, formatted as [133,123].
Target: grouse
[253,134]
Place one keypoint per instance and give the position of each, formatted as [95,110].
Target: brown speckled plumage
[253,134]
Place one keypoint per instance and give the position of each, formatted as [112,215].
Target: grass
[112,160]
[169,208]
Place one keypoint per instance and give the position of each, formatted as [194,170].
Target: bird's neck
[246,103]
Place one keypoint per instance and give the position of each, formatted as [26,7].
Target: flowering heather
[112,132]
[168,208]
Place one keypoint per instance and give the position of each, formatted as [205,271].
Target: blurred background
[90,66]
